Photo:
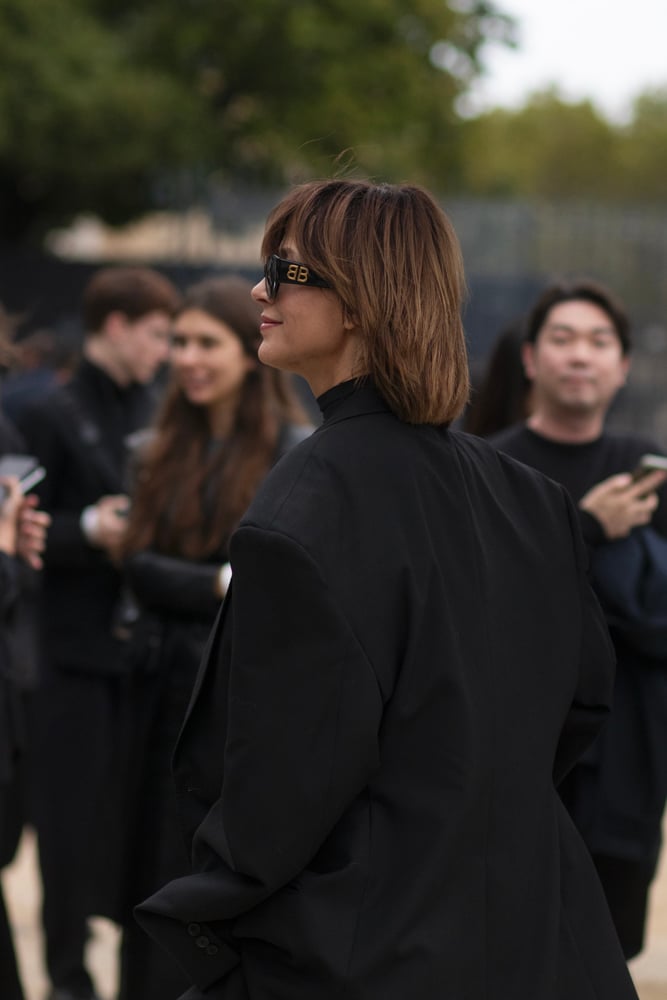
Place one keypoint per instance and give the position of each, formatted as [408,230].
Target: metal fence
[513,248]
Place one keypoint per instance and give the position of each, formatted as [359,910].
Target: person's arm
[11,501]
[592,699]
[165,583]
[9,512]
[659,520]
[591,529]
[303,718]
[81,536]
[8,582]
[31,532]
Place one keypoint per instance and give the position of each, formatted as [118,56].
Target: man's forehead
[578,315]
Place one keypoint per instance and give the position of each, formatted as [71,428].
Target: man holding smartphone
[576,357]
[80,433]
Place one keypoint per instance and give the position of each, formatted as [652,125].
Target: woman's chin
[198,398]
[270,357]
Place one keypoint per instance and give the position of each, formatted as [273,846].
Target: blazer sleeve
[592,699]
[165,583]
[303,718]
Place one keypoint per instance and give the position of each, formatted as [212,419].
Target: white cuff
[89,522]
[224,578]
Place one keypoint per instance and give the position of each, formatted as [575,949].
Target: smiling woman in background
[225,421]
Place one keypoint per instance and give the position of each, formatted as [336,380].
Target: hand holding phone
[11,499]
[648,464]
[25,468]
[626,501]
[32,529]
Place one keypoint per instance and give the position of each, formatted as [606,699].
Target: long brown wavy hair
[191,491]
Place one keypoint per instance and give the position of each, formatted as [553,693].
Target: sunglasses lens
[271,276]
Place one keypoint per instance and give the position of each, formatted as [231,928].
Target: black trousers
[155,849]
[79,737]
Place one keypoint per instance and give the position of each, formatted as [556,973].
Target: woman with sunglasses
[225,420]
[409,661]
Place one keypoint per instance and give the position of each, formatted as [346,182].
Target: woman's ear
[350,321]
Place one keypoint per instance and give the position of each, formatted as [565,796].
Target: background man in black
[576,355]
[80,434]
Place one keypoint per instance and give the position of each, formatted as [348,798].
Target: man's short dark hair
[582,290]
[134,291]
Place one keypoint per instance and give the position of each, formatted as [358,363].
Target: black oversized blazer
[409,659]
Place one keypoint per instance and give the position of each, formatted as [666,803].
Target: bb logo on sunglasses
[297,272]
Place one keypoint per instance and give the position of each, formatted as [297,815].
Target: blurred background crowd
[148,140]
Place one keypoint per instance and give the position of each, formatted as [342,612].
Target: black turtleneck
[116,410]
[578,467]
[361,392]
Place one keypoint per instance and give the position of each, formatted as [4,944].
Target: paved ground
[22,889]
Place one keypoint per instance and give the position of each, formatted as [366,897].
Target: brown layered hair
[392,256]
[133,291]
[191,492]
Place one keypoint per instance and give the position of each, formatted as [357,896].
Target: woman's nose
[185,354]
[259,291]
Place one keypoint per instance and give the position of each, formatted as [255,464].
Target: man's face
[576,363]
[143,345]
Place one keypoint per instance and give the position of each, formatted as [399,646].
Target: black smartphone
[648,464]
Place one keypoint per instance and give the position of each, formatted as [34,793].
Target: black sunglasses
[278,270]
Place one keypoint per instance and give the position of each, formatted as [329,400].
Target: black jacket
[80,434]
[409,659]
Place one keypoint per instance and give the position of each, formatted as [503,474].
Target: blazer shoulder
[521,491]
[319,474]
[290,436]
[492,455]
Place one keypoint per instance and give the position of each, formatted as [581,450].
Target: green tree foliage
[79,119]
[103,103]
[547,148]
[553,149]
[643,153]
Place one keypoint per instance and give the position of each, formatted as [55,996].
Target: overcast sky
[602,49]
